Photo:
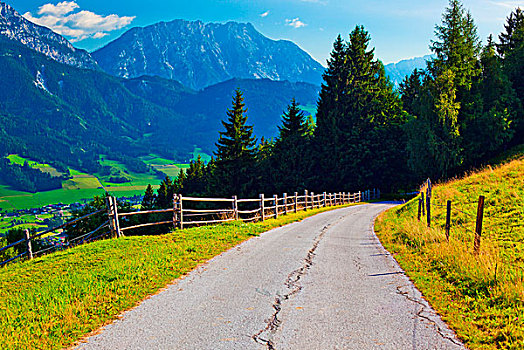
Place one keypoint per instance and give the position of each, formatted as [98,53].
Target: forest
[457,113]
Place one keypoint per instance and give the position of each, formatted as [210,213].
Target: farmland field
[82,186]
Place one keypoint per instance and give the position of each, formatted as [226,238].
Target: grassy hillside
[83,186]
[481,297]
[51,302]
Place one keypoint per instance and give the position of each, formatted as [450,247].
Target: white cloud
[295,23]
[77,26]
[62,8]
[264,14]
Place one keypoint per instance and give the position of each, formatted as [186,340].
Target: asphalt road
[323,283]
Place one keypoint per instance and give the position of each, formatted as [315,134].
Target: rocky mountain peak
[199,54]
[15,27]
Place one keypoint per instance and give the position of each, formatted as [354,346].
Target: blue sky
[399,29]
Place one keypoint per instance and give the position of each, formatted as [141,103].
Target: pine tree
[289,161]
[329,109]
[195,180]
[293,122]
[457,48]
[359,108]
[446,103]
[511,48]
[512,37]
[410,89]
[149,199]
[164,198]
[235,154]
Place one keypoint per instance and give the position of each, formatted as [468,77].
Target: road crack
[293,286]
[424,308]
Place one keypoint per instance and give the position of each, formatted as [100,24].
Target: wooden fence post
[325,199]
[235,207]
[110,216]
[181,208]
[296,199]
[312,200]
[28,244]
[285,203]
[175,208]
[305,200]
[419,208]
[359,196]
[262,210]
[423,203]
[428,210]
[276,205]
[478,226]
[448,219]
[117,222]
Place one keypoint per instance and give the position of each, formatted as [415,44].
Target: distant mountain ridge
[15,27]
[398,71]
[201,54]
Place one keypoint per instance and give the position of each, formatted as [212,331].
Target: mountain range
[15,27]
[202,54]
[160,89]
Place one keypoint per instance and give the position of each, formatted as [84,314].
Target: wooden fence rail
[243,209]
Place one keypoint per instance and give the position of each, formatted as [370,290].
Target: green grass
[81,186]
[480,297]
[53,301]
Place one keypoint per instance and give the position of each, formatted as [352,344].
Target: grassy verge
[480,297]
[51,302]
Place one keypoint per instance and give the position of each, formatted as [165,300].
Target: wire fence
[467,221]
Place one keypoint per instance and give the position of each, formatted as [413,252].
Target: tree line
[462,109]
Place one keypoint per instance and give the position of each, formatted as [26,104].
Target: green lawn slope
[479,296]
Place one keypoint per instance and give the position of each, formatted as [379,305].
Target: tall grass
[480,296]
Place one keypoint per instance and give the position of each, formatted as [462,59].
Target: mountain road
[323,283]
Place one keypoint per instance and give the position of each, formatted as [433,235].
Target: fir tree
[293,122]
[235,154]
[359,108]
[457,48]
[289,161]
[149,199]
[511,48]
[195,180]
[164,198]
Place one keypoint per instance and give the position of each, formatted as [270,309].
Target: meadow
[82,186]
[480,296]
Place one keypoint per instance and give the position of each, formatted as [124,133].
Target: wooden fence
[185,212]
